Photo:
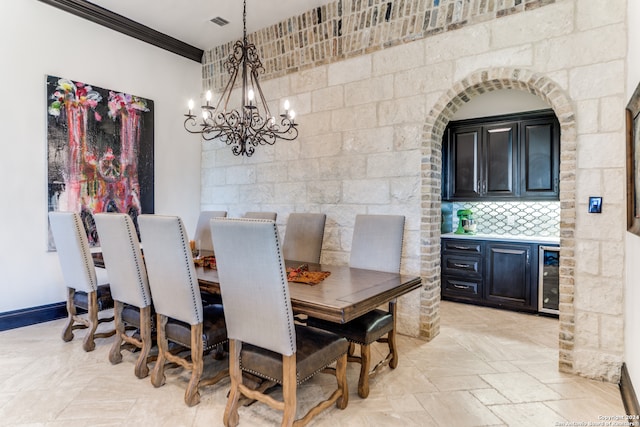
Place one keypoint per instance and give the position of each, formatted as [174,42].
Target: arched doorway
[462,92]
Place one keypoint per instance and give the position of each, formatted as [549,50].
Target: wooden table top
[344,295]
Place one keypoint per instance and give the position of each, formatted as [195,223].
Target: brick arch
[461,92]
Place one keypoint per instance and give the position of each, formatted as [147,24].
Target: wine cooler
[548,279]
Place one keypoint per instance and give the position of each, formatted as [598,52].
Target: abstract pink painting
[100,151]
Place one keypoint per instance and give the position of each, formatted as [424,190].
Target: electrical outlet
[511,219]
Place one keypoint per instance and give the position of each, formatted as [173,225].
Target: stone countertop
[547,240]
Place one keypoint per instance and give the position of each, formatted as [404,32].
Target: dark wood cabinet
[462,269]
[491,273]
[500,161]
[539,159]
[508,278]
[502,157]
[464,155]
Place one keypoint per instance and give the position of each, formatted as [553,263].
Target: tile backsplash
[528,218]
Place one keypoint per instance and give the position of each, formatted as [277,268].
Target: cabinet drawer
[467,246]
[461,287]
[462,265]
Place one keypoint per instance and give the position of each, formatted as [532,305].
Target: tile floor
[486,368]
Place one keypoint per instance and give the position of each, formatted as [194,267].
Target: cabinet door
[464,166]
[508,275]
[500,161]
[540,158]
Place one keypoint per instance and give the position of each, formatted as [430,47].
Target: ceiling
[189,21]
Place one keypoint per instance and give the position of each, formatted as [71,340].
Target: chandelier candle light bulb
[251,124]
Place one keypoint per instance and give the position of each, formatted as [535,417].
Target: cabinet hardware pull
[461,286]
[461,265]
[463,248]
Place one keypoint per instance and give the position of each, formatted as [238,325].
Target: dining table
[343,295]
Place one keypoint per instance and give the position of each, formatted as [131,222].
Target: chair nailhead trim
[191,279]
[137,261]
[298,380]
[285,287]
[203,347]
[80,230]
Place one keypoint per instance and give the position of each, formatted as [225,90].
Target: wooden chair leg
[115,355]
[67,332]
[142,369]
[192,395]
[231,417]
[157,375]
[391,338]
[391,359]
[393,351]
[365,361]
[341,377]
[88,343]
[352,349]
[289,389]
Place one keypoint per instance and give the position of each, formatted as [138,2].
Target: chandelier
[252,124]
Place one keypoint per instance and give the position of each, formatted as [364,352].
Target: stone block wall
[349,28]
[373,97]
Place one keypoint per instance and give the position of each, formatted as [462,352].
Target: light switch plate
[595,204]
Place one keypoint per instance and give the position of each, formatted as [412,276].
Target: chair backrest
[203,234]
[303,237]
[261,215]
[123,259]
[172,273]
[377,242]
[74,254]
[253,283]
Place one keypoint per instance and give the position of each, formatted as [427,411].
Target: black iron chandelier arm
[252,123]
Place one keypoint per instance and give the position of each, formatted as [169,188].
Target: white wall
[499,102]
[632,292]
[36,40]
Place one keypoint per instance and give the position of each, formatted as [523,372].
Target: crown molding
[124,25]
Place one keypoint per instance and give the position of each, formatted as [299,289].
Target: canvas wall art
[100,152]
[633,162]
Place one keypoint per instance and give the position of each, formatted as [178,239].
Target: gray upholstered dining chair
[303,237]
[263,339]
[261,215]
[203,237]
[376,245]
[181,317]
[79,273]
[203,234]
[129,286]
